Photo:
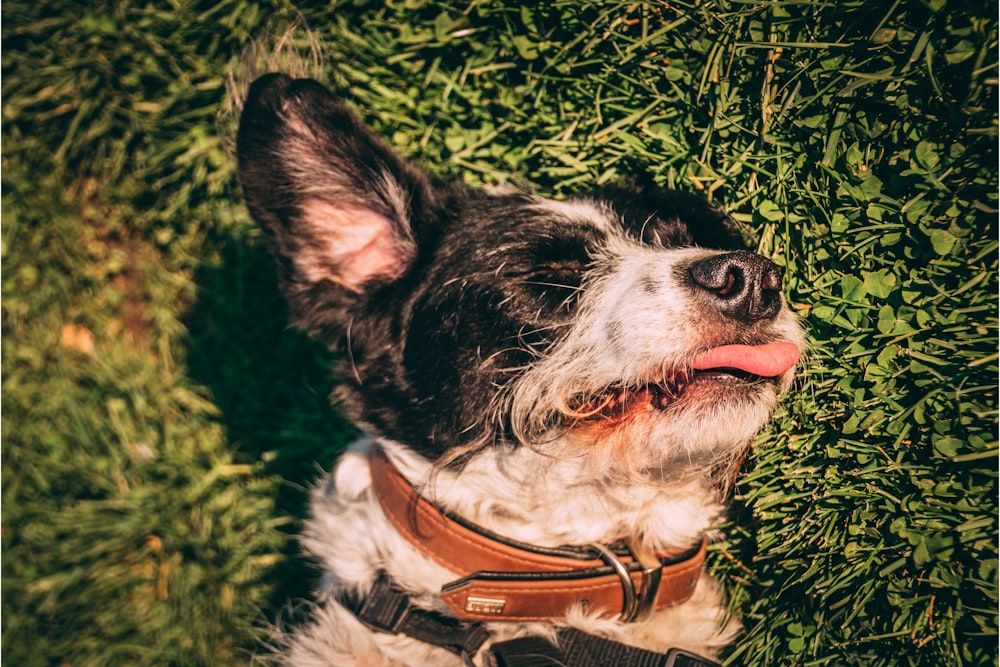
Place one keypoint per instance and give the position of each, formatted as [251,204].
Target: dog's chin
[695,422]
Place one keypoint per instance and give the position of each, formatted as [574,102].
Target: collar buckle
[637,603]
[505,580]
[652,576]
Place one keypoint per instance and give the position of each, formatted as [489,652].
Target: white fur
[581,211]
[522,494]
[649,477]
[637,323]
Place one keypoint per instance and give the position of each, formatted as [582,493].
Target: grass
[160,423]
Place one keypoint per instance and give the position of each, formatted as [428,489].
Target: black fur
[470,286]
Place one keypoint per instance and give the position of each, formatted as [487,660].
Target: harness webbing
[386,608]
[578,649]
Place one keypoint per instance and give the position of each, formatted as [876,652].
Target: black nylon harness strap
[388,609]
[578,649]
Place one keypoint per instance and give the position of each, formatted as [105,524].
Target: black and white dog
[554,389]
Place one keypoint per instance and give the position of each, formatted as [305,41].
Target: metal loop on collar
[638,603]
[652,576]
[630,607]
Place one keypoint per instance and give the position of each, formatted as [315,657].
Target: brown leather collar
[504,580]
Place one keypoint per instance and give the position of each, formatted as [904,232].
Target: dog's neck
[549,502]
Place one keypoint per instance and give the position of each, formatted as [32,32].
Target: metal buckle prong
[652,575]
[637,604]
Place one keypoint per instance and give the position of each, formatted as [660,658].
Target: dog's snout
[746,286]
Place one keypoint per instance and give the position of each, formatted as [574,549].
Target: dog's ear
[335,201]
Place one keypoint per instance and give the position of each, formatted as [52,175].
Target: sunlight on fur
[562,392]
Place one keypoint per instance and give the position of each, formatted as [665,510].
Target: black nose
[746,286]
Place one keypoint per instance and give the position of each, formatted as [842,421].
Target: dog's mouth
[726,365]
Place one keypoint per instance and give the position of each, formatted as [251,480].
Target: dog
[554,391]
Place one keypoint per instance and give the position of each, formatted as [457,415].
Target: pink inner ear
[349,245]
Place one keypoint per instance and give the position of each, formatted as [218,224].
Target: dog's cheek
[461,351]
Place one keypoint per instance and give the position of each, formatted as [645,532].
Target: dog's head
[628,323]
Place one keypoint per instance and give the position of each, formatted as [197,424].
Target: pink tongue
[769,360]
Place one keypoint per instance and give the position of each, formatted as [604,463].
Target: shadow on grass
[271,384]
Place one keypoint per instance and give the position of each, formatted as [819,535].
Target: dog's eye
[556,282]
[565,274]
[553,270]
